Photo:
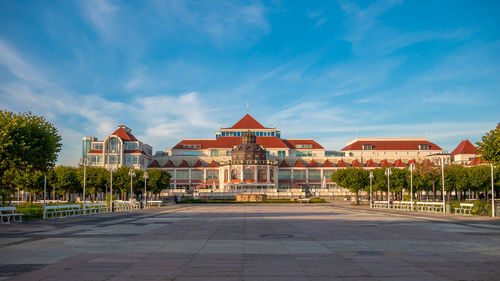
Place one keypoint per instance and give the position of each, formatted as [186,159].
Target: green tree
[28,143]
[425,178]
[400,180]
[64,180]
[356,179]
[489,146]
[480,178]
[158,181]
[456,177]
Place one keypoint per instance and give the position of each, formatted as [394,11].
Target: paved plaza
[253,242]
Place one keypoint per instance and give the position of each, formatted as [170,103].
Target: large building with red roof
[282,163]
[118,149]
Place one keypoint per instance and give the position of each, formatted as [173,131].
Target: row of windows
[196,175]
[303,153]
[304,146]
[97,146]
[131,146]
[301,174]
[239,134]
[192,153]
[192,146]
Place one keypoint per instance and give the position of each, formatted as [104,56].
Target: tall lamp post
[492,192]
[371,191]
[131,172]
[442,178]
[145,189]
[111,170]
[84,182]
[412,167]
[388,173]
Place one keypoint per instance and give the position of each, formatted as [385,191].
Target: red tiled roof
[213,164]
[313,163]
[247,122]
[121,133]
[230,142]
[283,164]
[183,164]
[95,151]
[293,143]
[342,164]
[299,164]
[198,164]
[370,164]
[154,164]
[475,161]
[412,161]
[391,145]
[169,164]
[384,163]
[398,163]
[465,147]
[327,163]
[355,163]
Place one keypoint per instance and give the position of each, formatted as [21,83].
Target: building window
[182,175]
[314,175]
[249,174]
[192,146]
[268,153]
[131,146]
[191,153]
[284,175]
[367,147]
[303,153]
[131,159]
[228,153]
[299,174]
[328,174]
[112,146]
[424,147]
[196,175]
[212,175]
[214,153]
[304,146]
[112,159]
[281,153]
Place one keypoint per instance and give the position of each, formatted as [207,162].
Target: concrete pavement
[253,242]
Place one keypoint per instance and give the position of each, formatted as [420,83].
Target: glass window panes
[299,174]
[197,175]
[182,175]
[314,175]
[212,175]
[284,175]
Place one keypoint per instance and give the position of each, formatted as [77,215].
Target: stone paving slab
[253,242]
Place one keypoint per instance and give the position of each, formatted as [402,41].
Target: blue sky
[329,70]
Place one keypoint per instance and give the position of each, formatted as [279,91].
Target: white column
[268,173]
[204,175]
[307,176]
[256,171]
[321,174]
[291,176]
[175,178]
[190,177]
[241,172]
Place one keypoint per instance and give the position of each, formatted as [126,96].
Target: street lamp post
[442,178]
[111,170]
[388,173]
[44,195]
[371,192]
[145,189]
[131,172]
[84,182]
[492,192]
[412,167]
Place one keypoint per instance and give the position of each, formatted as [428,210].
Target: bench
[379,204]
[62,210]
[304,200]
[124,206]
[401,205]
[465,209]
[8,215]
[430,206]
[155,203]
[94,208]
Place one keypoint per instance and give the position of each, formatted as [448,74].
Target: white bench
[379,204]
[401,205]
[304,200]
[94,208]
[124,206]
[465,209]
[62,210]
[430,206]
[155,203]
[8,215]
